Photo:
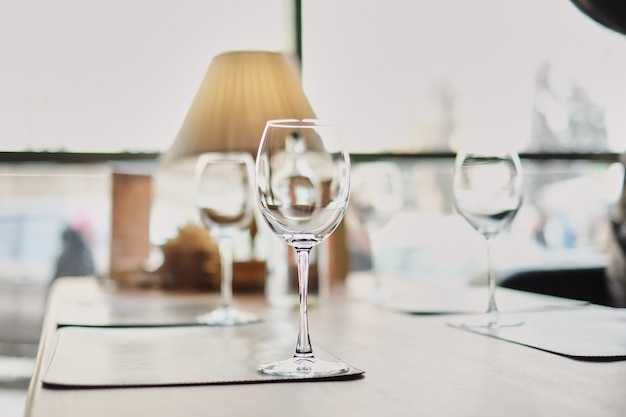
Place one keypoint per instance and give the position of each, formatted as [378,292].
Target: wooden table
[415,365]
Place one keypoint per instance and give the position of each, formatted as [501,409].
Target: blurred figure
[76,258]
[616,248]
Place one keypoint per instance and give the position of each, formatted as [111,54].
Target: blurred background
[88,88]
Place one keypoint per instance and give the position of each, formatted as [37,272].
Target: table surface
[415,365]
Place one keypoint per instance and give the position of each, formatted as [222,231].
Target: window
[401,76]
[97,77]
[419,76]
[118,75]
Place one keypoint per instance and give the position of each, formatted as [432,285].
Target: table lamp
[240,92]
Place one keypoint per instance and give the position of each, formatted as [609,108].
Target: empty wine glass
[224,198]
[302,190]
[377,195]
[487,190]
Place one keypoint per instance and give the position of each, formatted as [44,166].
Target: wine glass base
[486,321]
[227,316]
[304,367]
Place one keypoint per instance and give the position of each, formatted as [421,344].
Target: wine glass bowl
[221,199]
[225,203]
[487,190]
[302,192]
[377,191]
[302,187]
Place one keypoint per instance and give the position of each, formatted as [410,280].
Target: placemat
[88,357]
[592,333]
[134,311]
[418,297]
[442,300]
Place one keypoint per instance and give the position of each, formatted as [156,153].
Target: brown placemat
[101,357]
[592,333]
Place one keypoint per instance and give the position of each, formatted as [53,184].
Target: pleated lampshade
[240,92]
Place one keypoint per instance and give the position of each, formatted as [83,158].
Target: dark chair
[586,284]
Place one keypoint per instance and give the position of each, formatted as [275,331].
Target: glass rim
[299,123]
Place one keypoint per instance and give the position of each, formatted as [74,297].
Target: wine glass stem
[492,309]
[303,347]
[225,246]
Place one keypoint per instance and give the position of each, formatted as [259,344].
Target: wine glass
[377,195]
[302,190]
[224,198]
[487,188]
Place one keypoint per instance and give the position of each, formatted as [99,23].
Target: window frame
[11,157]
